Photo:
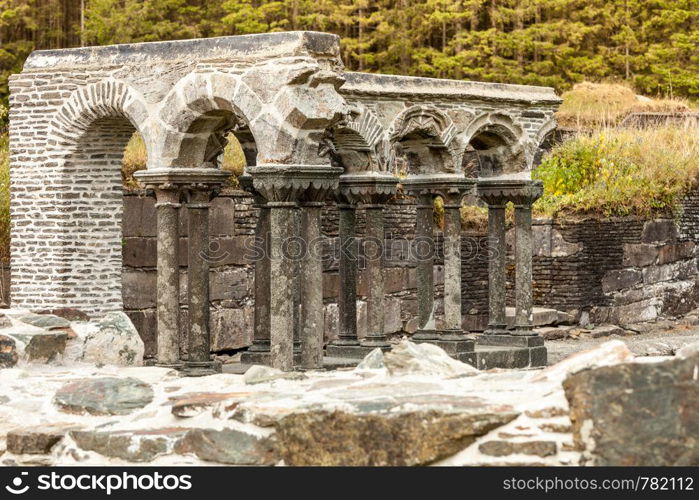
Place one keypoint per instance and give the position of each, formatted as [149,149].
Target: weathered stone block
[36,440]
[230,284]
[139,289]
[637,414]
[659,230]
[621,278]
[675,251]
[140,252]
[231,328]
[640,254]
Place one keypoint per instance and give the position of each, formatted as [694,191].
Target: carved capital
[369,188]
[451,187]
[292,183]
[521,192]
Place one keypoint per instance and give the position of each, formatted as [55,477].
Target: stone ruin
[310,132]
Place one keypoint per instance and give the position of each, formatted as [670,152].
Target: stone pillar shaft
[168,280]
[199,342]
[311,281]
[452,268]
[423,251]
[373,255]
[496,269]
[523,270]
[282,215]
[262,282]
[347,302]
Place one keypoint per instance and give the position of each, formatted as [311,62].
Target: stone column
[311,283]
[282,225]
[283,186]
[347,301]
[199,342]
[523,261]
[168,281]
[452,269]
[497,323]
[423,251]
[373,254]
[260,341]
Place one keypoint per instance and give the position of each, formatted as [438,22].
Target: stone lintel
[411,86]
[254,48]
[185,178]
[369,188]
[451,187]
[498,191]
[292,183]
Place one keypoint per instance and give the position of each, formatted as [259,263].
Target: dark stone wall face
[619,270]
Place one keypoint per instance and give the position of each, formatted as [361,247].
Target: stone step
[502,448]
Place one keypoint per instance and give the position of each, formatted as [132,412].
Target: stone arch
[102,100]
[87,137]
[423,137]
[494,145]
[543,142]
[200,110]
[357,143]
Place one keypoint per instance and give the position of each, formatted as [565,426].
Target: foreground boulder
[424,359]
[8,352]
[637,414]
[115,342]
[104,396]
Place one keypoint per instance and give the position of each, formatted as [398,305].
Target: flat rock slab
[104,396]
[36,440]
[130,445]
[382,438]
[191,405]
[42,346]
[637,414]
[67,313]
[46,321]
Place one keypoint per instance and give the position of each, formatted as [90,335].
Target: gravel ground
[656,343]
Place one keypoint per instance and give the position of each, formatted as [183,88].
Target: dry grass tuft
[595,105]
[617,172]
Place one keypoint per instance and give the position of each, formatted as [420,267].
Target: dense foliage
[653,44]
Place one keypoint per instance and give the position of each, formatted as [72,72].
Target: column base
[259,346]
[374,342]
[352,351]
[421,335]
[175,366]
[251,357]
[496,329]
[524,331]
[200,368]
[510,340]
